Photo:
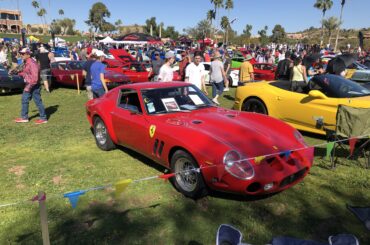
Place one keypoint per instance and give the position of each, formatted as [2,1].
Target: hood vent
[230,116]
[196,122]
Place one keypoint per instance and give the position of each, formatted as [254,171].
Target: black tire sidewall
[254,100]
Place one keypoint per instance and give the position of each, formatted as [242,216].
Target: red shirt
[30,74]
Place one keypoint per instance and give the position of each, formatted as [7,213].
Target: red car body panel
[264,71]
[122,55]
[70,72]
[135,71]
[207,134]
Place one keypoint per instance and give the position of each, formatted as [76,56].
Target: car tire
[254,105]
[230,82]
[102,137]
[189,183]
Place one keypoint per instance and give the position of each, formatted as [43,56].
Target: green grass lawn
[61,156]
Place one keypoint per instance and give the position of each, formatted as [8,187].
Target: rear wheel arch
[255,98]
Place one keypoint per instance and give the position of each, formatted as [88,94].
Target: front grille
[291,178]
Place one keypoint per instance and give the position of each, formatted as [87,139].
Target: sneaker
[41,121]
[215,101]
[21,120]
[226,89]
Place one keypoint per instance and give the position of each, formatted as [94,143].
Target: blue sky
[293,15]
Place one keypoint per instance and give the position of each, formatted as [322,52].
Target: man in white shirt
[195,73]
[3,58]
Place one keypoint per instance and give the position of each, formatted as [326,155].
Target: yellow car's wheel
[254,105]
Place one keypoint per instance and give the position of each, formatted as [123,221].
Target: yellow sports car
[318,100]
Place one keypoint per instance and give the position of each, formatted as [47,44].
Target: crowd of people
[36,60]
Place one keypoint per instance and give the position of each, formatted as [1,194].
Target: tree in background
[263,35]
[247,33]
[151,27]
[225,26]
[63,26]
[330,25]
[118,24]
[200,31]
[211,15]
[278,34]
[61,12]
[170,32]
[229,5]
[323,5]
[97,15]
[340,23]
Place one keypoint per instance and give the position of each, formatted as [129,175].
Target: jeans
[89,92]
[36,96]
[98,93]
[217,88]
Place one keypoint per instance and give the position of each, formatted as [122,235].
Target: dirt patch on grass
[57,180]
[17,170]
[277,209]
[20,186]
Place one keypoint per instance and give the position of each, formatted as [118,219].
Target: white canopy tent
[107,40]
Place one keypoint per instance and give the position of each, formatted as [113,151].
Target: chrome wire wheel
[186,175]
[101,133]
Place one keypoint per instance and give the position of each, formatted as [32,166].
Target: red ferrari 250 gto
[206,146]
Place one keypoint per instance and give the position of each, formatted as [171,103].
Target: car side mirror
[317,94]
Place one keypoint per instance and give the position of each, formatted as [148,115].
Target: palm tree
[331,24]
[225,24]
[61,12]
[323,5]
[340,22]
[217,4]
[211,15]
[35,4]
[229,4]
[247,32]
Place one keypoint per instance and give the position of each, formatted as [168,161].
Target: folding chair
[351,122]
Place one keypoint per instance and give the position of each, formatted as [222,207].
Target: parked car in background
[10,83]
[69,73]
[135,71]
[319,99]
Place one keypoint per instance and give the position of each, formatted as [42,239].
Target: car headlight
[238,167]
[298,136]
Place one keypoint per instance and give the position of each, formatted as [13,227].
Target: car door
[302,109]
[129,121]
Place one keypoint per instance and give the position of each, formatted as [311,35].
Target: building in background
[10,21]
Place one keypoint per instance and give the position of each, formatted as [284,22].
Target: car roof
[152,85]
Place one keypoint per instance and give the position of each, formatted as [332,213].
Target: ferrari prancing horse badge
[151,131]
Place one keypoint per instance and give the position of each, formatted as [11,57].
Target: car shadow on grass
[143,159]
[229,97]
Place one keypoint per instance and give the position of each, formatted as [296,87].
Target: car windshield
[174,99]
[338,87]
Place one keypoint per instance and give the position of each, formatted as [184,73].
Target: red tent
[207,41]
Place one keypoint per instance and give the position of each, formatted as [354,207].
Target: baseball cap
[99,53]
[25,51]
[169,54]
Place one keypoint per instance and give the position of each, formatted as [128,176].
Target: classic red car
[264,71]
[205,146]
[70,72]
[135,71]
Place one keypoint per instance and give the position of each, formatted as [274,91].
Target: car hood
[250,133]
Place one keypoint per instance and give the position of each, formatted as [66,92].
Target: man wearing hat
[156,65]
[246,73]
[30,74]
[166,71]
[97,70]
[218,76]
